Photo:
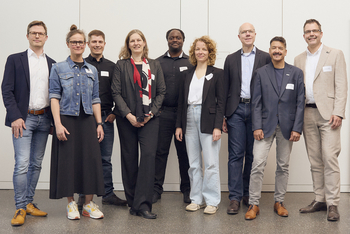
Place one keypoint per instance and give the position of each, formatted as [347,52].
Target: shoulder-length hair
[211,46]
[125,52]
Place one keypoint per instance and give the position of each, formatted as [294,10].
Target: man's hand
[258,134]
[336,120]
[110,118]
[294,136]
[224,126]
[17,127]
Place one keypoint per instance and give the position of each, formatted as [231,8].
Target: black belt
[244,100]
[313,105]
[169,108]
[39,112]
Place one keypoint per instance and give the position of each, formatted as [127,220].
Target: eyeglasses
[39,34]
[247,31]
[314,31]
[80,43]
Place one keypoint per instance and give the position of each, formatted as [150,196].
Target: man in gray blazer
[326,94]
[277,112]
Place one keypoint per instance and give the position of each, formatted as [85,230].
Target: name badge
[209,76]
[88,70]
[183,69]
[153,77]
[104,73]
[290,86]
[327,68]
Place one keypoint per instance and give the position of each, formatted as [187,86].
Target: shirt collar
[251,52]
[316,53]
[31,53]
[72,64]
[94,59]
[167,54]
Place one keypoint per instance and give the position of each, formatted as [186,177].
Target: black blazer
[16,86]
[213,103]
[123,87]
[233,77]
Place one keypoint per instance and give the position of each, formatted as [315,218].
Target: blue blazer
[271,106]
[16,86]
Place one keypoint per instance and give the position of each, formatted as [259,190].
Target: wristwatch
[101,123]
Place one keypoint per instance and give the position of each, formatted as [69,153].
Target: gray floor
[172,217]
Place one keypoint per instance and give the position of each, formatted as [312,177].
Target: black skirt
[76,164]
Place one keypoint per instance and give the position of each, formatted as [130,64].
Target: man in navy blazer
[26,98]
[277,112]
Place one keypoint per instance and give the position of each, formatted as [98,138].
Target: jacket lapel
[207,82]
[256,60]
[285,78]
[323,58]
[130,72]
[187,84]
[25,64]
[271,74]
[239,67]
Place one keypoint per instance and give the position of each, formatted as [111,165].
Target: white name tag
[88,70]
[104,73]
[153,77]
[183,69]
[327,68]
[290,86]
[209,76]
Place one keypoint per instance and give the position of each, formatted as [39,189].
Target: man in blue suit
[277,112]
[26,98]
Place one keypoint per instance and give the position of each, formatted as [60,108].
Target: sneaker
[194,207]
[32,209]
[19,218]
[210,209]
[72,211]
[91,210]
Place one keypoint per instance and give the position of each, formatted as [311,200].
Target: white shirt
[310,70]
[196,90]
[247,60]
[39,81]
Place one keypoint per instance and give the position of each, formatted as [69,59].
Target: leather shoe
[114,200]
[32,209]
[156,197]
[233,207]
[245,201]
[313,207]
[146,214]
[133,212]
[19,218]
[333,214]
[187,197]
[252,212]
[280,209]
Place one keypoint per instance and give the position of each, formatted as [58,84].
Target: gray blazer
[123,90]
[271,106]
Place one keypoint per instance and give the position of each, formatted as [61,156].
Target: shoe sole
[210,212]
[87,214]
[232,212]
[200,207]
[279,214]
[71,218]
[254,217]
[36,215]
[307,212]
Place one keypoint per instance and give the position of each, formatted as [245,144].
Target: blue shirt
[74,87]
[247,61]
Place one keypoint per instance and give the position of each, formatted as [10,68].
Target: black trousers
[167,121]
[138,174]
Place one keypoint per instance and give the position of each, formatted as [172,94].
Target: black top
[172,68]
[79,64]
[105,70]
[279,75]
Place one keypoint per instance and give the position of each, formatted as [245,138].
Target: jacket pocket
[91,79]
[212,110]
[66,79]
[330,95]
[292,116]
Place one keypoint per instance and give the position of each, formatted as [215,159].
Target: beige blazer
[330,85]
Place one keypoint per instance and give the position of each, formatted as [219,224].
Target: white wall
[219,19]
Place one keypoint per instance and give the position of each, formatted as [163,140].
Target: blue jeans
[106,147]
[204,189]
[240,146]
[29,153]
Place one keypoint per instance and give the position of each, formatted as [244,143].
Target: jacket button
[78,94]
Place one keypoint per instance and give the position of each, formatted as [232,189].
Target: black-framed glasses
[39,34]
[313,31]
[80,43]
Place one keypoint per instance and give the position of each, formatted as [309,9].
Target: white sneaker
[91,210]
[210,209]
[194,207]
[72,211]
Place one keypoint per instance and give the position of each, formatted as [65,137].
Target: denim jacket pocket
[66,79]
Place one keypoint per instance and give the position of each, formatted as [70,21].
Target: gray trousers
[260,151]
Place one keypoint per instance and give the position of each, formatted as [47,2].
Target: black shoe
[187,197]
[156,197]
[146,214]
[114,200]
[81,202]
[133,212]
[245,201]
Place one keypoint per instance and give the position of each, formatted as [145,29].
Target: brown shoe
[252,212]
[32,209]
[245,201]
[280,209]
[233,207]
[333,214]
[19,218]
[313,207]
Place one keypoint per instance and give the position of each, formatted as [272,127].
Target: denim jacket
[70,85]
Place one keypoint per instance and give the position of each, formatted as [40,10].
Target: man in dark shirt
[105,68]
[173,63]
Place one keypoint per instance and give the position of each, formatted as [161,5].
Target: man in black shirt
[173,63]
[105,68]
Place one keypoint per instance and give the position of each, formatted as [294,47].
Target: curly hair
[125,52]
[211,46]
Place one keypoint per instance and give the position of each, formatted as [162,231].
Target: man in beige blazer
[326,93]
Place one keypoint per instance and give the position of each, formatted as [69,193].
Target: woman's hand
[132,119]
[145,120]
[216,134]
[61,132]
[178,134]
[100,133]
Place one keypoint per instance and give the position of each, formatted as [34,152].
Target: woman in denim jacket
[76,165]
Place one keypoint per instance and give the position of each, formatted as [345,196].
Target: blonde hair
[211,46]
[125,52]
[74,30]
